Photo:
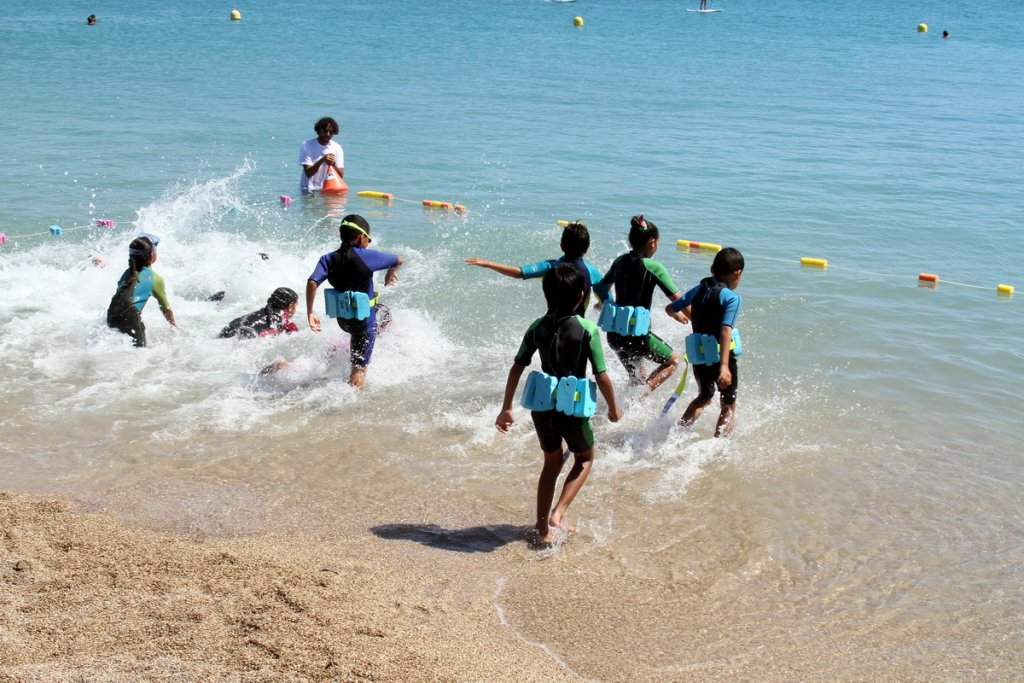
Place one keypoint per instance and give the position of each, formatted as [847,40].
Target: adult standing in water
[320,155]
[353,302]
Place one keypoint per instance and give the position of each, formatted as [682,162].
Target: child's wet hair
[563,285]
[641,231]
[349,233]
[727,261]
[575,240]
[282,298]
[324,124]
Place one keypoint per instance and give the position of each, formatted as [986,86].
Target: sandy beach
[87,598]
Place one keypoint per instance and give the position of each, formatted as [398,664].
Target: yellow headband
[349,224]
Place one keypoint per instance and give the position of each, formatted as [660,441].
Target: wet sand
[86,597]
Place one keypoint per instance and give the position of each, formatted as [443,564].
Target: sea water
[870,497]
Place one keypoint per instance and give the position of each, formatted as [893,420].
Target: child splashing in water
[349,270]
[136,285]
[634,276]
[566,343]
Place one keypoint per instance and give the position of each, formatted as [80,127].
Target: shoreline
[87,596]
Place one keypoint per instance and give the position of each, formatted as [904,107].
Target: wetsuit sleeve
[686,300]
[596,351]
[603,286]
[730,301]
[377,260]
[537,269]
[527,347]
[160,292]
[319,273]
[662,277]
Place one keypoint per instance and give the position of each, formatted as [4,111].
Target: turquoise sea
[865,522]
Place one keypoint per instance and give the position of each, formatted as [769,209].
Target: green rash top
[566,344]
[634,279]
[160,292]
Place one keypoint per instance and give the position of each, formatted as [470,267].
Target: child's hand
[724,377]
[390,277]
[504,420]
[314,322]
[614,413]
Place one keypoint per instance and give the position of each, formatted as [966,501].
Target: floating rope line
[928,280]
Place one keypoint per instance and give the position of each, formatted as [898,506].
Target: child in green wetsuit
[634,276]
[566,343]
[137,284]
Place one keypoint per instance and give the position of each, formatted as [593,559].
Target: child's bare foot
[558,522]
[540,538]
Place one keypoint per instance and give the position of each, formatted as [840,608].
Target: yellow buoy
[922,28]
[577,21]
[816,262]
[1005,289]
[236,15]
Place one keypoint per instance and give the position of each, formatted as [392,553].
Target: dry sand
[83,597]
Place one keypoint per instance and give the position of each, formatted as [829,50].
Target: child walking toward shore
[575,243]
[712,307]
[626,319]
[560,396]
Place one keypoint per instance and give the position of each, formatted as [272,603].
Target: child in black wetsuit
[274,318]
[566,343]
[634,276]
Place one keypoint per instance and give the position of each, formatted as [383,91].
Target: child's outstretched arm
[509,271]
[505,419]
[604,384]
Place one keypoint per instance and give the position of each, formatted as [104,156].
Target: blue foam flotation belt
[569,395]
[348,304]
[702,349]
[630,321]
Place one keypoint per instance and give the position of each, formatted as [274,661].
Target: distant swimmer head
[91,19]
[641,232]
[282,298]
[354,226]
[575,240]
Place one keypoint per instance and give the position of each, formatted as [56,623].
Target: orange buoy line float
[449,206]
[929,277]
[386,196]
[426,203]
[708,246]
